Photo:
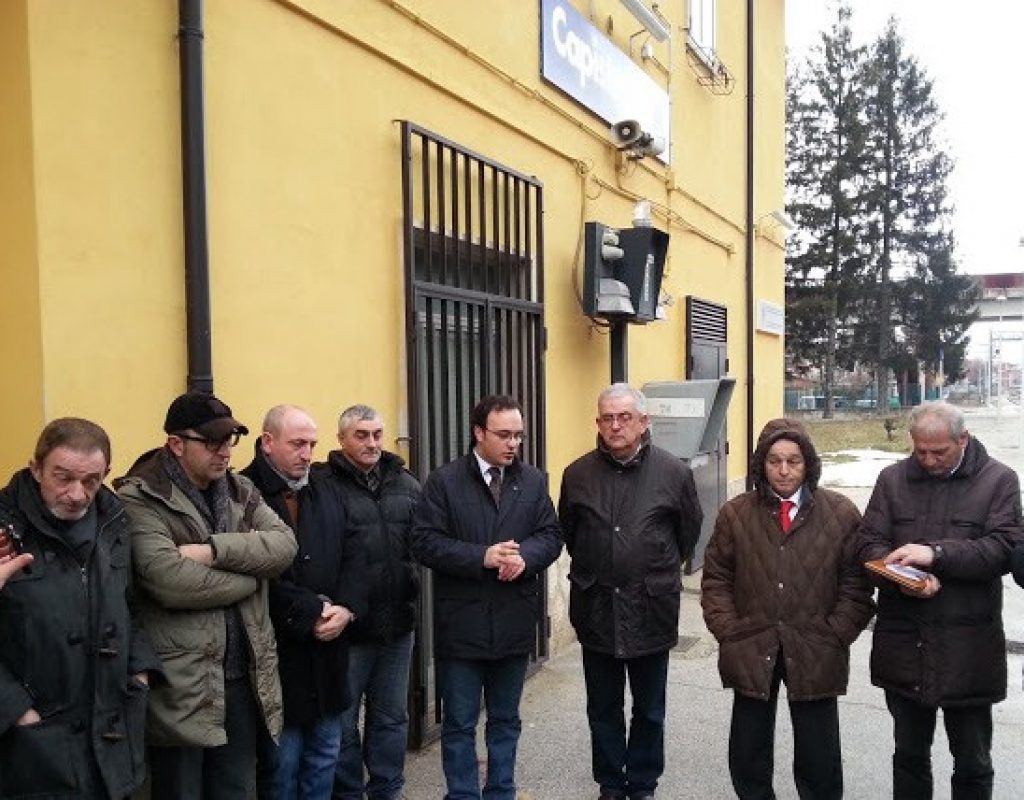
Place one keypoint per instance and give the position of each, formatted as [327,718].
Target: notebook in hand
[911,577]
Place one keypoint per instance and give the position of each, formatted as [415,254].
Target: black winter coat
[381,519]
[329,564]
[948,649]
[628,528]
[69,648]
[476,616]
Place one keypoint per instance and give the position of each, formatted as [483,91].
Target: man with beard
[205,545]
[74,665]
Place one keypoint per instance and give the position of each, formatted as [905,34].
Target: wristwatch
[938,555]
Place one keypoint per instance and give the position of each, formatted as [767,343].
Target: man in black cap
[204,545]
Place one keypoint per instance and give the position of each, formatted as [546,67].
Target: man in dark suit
[486,525]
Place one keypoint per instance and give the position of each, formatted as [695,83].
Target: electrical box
[644,251]
[603,294]
[687,419]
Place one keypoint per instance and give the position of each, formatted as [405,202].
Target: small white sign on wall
[771,318]
[680,407]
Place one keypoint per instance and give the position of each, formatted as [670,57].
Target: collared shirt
[796,498]
[963,452]
[485,466]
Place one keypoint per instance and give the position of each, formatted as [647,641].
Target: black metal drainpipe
[193,176]
[750,239]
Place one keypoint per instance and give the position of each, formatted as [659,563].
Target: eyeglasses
[212,445]
[508,436]
[792,463]
[623,418]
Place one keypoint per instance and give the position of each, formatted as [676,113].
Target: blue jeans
[380,674]
[461,682]
[306,757]
[626,766]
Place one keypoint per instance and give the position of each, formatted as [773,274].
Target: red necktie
[784,518]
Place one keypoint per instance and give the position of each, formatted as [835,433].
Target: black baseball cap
[204,414]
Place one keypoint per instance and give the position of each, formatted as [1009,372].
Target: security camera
[629,137]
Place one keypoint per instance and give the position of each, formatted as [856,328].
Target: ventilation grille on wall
[708,321]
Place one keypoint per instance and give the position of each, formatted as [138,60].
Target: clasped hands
[916,555]
[504,557]
[333,620]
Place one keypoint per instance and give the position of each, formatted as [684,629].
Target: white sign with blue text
[586,65]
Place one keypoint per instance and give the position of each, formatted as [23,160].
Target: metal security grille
[474,279]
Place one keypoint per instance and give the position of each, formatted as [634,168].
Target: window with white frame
[702,29]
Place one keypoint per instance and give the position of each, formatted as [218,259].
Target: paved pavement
[554,753]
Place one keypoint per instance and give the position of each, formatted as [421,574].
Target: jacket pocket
[904,529]
[661,604]
[37,761]
[590,608]
[965,528]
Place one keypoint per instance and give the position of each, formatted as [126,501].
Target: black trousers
[626,763]
[213,773]
[817,759]
[969,730]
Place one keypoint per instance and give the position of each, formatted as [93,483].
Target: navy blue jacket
[477,616]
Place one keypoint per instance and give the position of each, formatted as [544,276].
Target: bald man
[311,604]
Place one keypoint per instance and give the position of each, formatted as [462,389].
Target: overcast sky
[974,53]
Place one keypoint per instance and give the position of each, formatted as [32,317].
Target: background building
[395,201]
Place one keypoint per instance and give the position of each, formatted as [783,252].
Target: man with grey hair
[312,605]
[75,665]
[630,516]
[955,512]
[378,495]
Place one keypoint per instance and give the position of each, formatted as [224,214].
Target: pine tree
[938,308]
[907,197]
[826,163]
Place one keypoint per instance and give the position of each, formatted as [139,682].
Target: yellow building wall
[769,193]
[304,190]
[21,390]
[97,275]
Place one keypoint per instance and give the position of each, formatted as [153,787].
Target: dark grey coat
[628,528]
[948,649]
[381,520]
[69,647]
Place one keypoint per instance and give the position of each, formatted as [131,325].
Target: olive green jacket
[182,602]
